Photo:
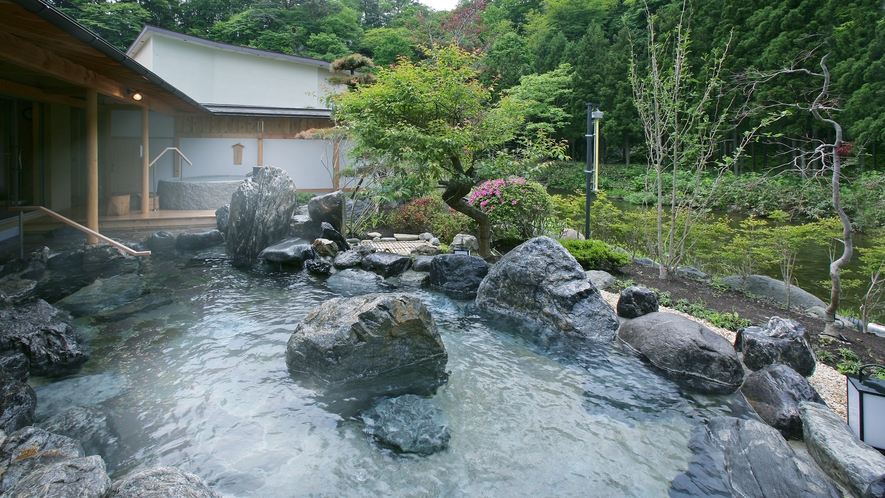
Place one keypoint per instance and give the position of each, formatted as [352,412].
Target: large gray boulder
[746,458]
[386,264]
[72,478]
[328,208]
[92,426]
[222,218]
[41,332]
[292,251]
[637,301]
[687,352]
[774,289]
[260,210]
[16,364]
[540,283]
[160,242]
[775,393]
[845,458]
[18,403]
[162,482]
[30,448]
[408,424]
[356,282]
[457,275]
[780,341]
[371,336]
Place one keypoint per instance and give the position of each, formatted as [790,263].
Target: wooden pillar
[37,153]
[176,158]
[92,164]
[336,163]
[145,161]
[260,152]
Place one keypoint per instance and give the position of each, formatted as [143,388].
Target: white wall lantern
[866,407]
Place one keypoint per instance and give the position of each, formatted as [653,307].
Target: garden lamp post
[866,407]
[591,171]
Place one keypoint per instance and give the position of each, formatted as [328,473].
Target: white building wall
[308,162]
[216,76]
[145,55]
[215,157]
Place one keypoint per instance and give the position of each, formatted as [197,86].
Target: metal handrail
[67,221]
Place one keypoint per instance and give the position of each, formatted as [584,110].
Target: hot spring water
[202,385]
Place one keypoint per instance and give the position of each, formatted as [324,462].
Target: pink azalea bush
[517,208]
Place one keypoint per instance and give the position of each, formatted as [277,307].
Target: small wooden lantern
[238,153]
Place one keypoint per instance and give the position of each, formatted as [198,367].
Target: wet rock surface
[408,424]
[292,251]
[93,427]
[161,242]
[457,275]
[107,293]
[845,458]
[541,283]
[735,457]
[15,364]
[29,449]
[780,341]
[18,403]
[686,351]
[260,211]
[197,241]
[72,478]
[367,337]
[355,282]
[327,208]
[163,482]
[386,264]
[775,393]
[41,332]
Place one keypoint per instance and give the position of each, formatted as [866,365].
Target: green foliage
[117,22]
[698,309]
[568,212]
[430,214]
[849,362]
[595,254]
[544,98]
[517,208]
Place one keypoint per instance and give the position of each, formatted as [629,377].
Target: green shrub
[517,208]
[595,254]
[430,214]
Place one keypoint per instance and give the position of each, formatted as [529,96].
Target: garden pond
[201,384]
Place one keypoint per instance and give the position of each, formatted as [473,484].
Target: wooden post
[92,164]
[260,152]
[336,164]
[145,161]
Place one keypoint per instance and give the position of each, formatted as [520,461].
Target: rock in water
[163,482]
[18,404]
[222,218]
[541,283]
[458,275]
[73,478]
[330,233]
[260,211]
[408,424]
[735,457]
[39,331]
[843,456]
[91,426]
[689,353]
[30,448]
[781,341]
[775,393]
[327,208]
[365,337]
[290,251]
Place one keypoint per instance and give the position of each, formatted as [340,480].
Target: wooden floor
[133,221]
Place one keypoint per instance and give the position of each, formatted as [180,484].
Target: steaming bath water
[201,384]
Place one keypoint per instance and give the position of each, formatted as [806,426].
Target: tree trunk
[453,196]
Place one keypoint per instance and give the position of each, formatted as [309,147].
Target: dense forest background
[565,53]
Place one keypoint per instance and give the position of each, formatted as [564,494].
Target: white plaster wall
[308,162]
[163,168]
[143,56]
[217,76]
[215,156]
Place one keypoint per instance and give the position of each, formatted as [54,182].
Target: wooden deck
[397,247]
[134,221]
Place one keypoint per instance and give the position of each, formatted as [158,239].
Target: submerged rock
[368,337]
[689,353]
[103,294]
[735,457]
[386,264]
[781,341]
[163,482]
[92,426]
[260,211]
[458,275]
[39,331]
[775,393]
[843,456]
[197,241]
[408,424]
[160,242]
[355,282]
[541,283]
